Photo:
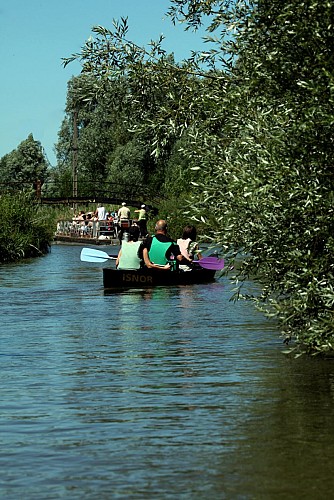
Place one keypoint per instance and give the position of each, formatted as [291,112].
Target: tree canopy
[24,165]
[252,118]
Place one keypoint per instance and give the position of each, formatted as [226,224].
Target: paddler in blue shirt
[160,249]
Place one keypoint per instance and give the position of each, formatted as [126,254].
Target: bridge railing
[91,230]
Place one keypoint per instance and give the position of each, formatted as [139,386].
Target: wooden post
[38,189]
[75,158]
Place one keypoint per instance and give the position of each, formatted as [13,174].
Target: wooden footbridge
[89,193]
[105,200]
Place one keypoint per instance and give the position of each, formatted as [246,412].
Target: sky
[37,34]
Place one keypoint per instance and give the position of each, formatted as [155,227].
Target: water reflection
[286,438]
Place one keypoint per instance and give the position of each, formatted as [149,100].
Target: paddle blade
[212,263]
[92,255]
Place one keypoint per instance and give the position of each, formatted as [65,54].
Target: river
[169,393]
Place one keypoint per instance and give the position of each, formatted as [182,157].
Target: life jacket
[157,253]
[184,247]
[129,257]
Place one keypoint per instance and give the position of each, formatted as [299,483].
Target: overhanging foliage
[259,142]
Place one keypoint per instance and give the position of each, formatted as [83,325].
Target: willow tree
[276,164]
[260,147]
[157,91]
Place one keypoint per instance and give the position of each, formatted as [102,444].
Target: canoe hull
[146,278]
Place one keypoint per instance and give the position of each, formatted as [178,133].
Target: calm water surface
[171,393]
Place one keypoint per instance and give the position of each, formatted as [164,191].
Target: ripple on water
[163,393]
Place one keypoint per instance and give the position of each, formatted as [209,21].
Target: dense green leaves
[277,169]
[28,229]
[251,119]
[24,165]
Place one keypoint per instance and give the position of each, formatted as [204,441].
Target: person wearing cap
[123,220]
[129,255]
[124,212]
[142,218]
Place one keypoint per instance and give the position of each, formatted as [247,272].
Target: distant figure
[159,249]
[101,212]
[83,229]
[142,218]
[129,256]
[82,215]
[189,247]
[115,220]
[124,221]
[124,212]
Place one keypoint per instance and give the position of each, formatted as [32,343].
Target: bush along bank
[27,228]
